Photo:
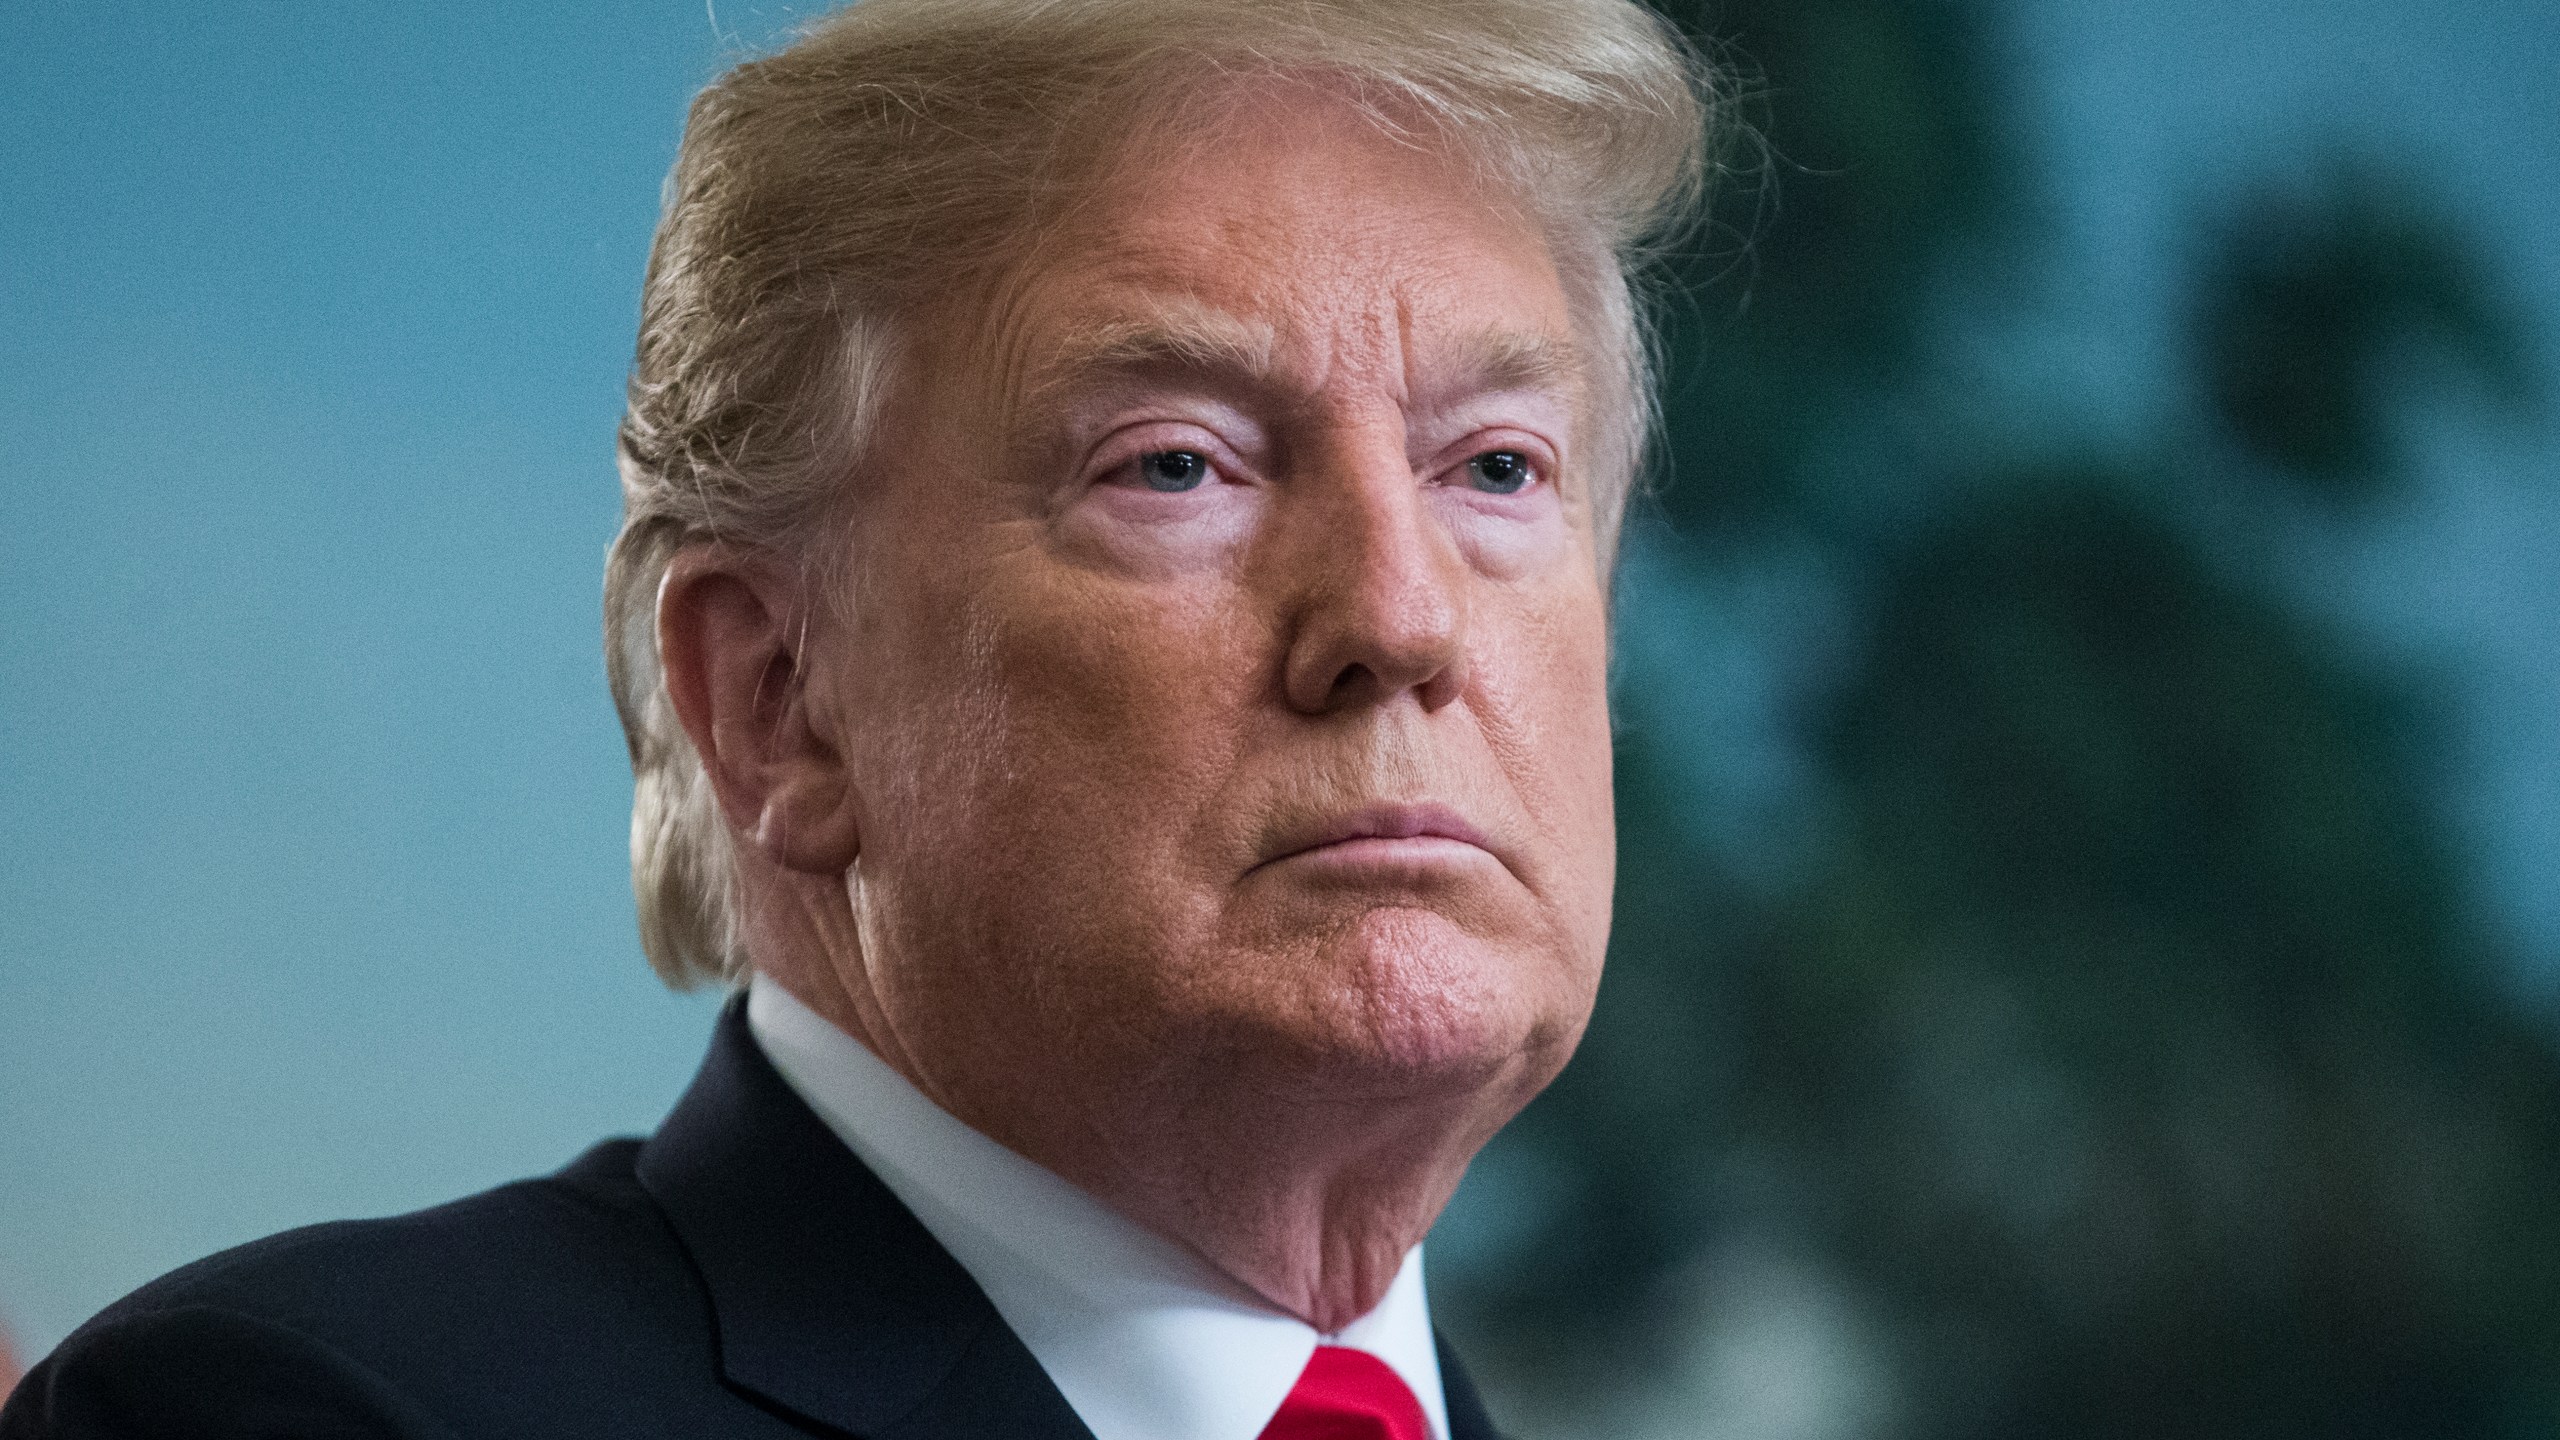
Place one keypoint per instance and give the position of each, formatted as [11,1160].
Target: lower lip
[1390,854]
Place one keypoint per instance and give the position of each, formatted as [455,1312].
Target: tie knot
[1347,1394]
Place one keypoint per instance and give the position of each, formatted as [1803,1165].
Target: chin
[1404,999]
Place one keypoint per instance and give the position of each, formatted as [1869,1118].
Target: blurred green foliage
[2117,1034]
[2313,306]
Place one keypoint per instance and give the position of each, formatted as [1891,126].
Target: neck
[1311,1206]
[1306,1188]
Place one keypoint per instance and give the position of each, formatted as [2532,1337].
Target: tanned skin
[1200,782]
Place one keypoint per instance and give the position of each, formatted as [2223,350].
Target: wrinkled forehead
[1307,253]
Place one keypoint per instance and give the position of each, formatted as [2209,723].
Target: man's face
[1223,678]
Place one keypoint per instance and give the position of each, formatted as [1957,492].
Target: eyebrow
[1491,360]
[1180,338]
[1184,338]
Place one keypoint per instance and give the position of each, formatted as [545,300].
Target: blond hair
[898,144]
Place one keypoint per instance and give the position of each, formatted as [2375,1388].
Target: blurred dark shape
[1874,153]
[9,1371]
[2155,1056]
[2309,307]
[2121,1055]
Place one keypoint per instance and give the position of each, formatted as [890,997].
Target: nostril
[1354,681]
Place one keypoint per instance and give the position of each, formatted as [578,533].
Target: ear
[731,642]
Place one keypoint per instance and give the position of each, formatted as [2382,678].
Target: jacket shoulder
[206,1373]
[564,1301]
[472,1261]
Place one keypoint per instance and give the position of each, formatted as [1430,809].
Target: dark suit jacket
[739,1275]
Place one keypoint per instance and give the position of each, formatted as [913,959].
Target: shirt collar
[1145,1339]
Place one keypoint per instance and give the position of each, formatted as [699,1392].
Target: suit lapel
[830,1299]
[1467,1417]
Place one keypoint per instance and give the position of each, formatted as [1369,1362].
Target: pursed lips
[1382,823]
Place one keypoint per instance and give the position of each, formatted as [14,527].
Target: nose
[1383,590]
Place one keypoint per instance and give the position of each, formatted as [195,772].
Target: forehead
[1302,248]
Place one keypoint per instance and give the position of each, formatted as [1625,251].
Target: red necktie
[1347,1394]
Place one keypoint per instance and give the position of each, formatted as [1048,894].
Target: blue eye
[1173,471]
[1499,472]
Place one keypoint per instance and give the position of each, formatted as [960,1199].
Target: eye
[1173,471]
[1500,472]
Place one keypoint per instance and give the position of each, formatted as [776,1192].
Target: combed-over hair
[823,191]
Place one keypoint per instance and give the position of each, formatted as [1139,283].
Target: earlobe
[734,647]
[810,827]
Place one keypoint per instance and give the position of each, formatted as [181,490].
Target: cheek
[1547,719]
[1060,778]
[1122,718]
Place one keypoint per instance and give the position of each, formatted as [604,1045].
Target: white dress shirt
[1144,1338]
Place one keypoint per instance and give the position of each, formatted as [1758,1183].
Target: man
[1111,622]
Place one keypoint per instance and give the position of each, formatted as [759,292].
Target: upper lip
[1382,822]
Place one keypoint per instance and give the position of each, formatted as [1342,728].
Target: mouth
[1385,834]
